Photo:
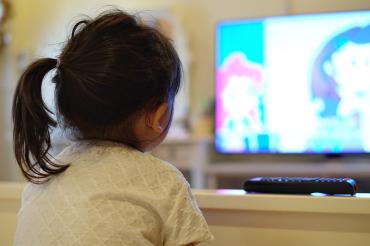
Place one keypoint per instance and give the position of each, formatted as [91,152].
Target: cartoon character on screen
[341,85]
[240,89]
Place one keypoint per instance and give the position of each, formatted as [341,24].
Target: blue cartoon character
[341,86]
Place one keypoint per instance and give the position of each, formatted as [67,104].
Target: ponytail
[32,123]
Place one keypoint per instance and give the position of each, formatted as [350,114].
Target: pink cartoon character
[240,116]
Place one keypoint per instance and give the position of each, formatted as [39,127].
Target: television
[295,84]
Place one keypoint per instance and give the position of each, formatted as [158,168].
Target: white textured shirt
[110,195]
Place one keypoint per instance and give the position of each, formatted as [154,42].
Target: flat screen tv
[293,84]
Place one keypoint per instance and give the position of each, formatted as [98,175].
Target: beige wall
[38,25]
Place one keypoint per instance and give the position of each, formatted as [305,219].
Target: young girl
[115,85]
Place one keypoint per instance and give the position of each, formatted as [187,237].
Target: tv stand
[322,169]
[240,219]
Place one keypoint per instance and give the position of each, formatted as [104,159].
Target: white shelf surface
[240,200]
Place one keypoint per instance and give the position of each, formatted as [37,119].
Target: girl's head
[116,79]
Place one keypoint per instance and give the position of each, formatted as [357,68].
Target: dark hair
[324,86]
[112,69]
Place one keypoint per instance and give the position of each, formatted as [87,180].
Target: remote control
[301,185]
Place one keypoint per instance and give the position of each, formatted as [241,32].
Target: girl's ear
[158,118]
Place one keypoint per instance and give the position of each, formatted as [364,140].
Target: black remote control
[301,185]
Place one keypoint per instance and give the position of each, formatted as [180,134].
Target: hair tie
[58,63]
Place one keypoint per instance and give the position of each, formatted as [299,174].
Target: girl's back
[111,194]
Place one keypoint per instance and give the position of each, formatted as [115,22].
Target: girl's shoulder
[115,162]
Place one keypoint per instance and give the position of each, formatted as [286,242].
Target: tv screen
[293,84]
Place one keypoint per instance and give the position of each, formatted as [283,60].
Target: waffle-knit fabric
[110,195]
